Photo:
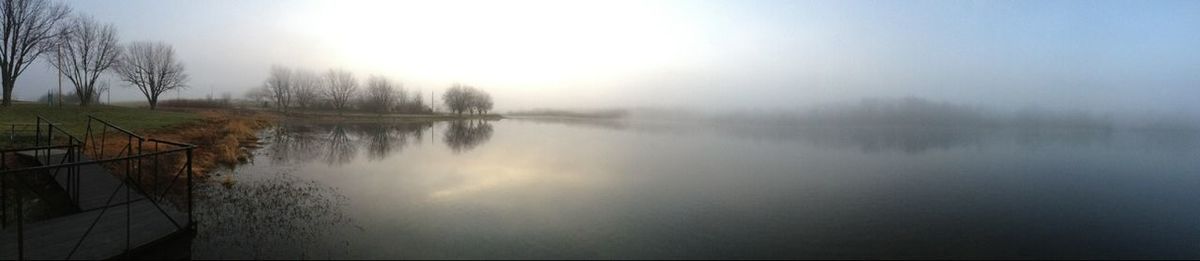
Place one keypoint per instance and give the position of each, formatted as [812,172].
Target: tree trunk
[85,99]
[8,88]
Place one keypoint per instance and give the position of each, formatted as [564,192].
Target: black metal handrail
[70,155]
[90,162]
[132,175]
[25,128]
[38,148]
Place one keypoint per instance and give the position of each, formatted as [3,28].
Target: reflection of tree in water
[339,144]
[341,148]
[275,217]
[465,135]
[294,143]
[383,140]
[908,140]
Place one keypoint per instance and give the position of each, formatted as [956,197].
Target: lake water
[608,189]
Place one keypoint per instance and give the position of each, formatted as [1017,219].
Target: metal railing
[39,149]
[153,169]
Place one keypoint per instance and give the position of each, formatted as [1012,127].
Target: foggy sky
[1107,56]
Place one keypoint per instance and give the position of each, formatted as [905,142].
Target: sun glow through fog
[504,44]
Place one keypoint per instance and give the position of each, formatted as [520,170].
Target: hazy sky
[1097,55]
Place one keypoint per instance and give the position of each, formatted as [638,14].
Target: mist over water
[523,129]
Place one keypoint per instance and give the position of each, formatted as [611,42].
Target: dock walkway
[104,203]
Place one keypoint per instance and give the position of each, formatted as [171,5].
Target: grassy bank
[218,134]
[74,118]
[221,135]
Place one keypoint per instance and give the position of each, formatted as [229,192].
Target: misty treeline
[287,89]
[918,112]
[225,101]
[81,50]
[74,97]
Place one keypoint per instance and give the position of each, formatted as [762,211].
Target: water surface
[615,189]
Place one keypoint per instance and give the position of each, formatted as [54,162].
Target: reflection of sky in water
[521,189]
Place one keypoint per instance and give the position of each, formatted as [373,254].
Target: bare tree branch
[340,88]
[306,88]
[27,28]
[279,84]
[152,68]
[380,95]
[462,98]
[82,52]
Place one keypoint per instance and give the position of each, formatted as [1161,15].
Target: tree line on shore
[81,49]
[288,89]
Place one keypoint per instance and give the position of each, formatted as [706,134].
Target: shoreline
[225,137]
[328,117]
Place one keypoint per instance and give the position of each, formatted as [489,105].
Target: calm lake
[609,189]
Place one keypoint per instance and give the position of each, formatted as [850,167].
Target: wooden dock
[119,219]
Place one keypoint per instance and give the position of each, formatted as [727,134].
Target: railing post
[103,138]
[139,167]
[191,222]
[128,212]
[70,172]
[78,157]
[37,134]
[74,177]
[87,135]
[20,228]
[157,167]
[3,193]
[49,140]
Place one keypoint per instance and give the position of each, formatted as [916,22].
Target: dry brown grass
[221,136]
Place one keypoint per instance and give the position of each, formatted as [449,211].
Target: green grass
[74,118]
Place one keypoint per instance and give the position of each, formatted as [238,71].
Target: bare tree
[380,94]
[416,104]
[306,88]
[456,98]
[83,51]
[482,102]
[279,85]
[399,99]
[478,101]
[152,68]
[340,88]
[28,28]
